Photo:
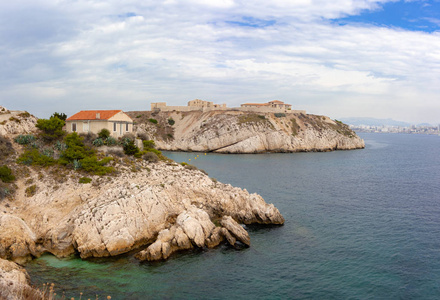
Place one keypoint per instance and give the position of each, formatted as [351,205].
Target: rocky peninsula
[233,131]
[153,207]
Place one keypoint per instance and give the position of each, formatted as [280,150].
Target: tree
[61,116]
[52,129]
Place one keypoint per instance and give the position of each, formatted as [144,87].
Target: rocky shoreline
[155,208]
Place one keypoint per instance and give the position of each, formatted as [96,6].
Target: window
[73,127]
[85,127]
[114,127]
[126,126]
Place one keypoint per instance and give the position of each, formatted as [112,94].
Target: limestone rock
[14,282]
[162,205]
[16,122]
[236,230]
[240,132]
[17,241]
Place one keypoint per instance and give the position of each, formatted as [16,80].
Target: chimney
[98,116]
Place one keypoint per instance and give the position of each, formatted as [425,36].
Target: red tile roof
[277,102]
[91,115]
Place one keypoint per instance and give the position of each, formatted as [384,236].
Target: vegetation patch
[31,190]
[24,139]
[154,121]
[251,118]
[295,127]
[280,115]
[35,158]
[85,180]
[51,129]
[6,174]
[6,148]
[171,121]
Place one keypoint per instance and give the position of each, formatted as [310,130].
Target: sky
[340,58]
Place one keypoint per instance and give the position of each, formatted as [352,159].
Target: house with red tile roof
[116,121]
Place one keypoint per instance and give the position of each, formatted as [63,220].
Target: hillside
[63,195]
[244,132]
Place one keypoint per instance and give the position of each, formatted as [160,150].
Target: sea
[360,224]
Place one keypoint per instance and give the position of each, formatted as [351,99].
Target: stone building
[116,121]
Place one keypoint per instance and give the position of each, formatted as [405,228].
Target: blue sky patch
[252,22]
[416,15]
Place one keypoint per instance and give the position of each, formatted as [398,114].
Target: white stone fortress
[274,106]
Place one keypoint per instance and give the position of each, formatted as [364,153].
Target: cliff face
[241,132]
[117,214]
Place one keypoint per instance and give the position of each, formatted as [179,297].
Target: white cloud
[107,53]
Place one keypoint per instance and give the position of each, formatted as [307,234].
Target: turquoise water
[361,224]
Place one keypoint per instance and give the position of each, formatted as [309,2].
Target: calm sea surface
[361,224]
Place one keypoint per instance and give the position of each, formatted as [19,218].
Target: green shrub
[31,190]
[111,141]
[279,115]
[130,148]
[60,146]
[24,139]
[95,166]
[149,144]
[171,121]
[52,129]
[150,157]
[75,149]
[154,121]
[34,157]
[85,180]
[184,163]
[6,174]
[98,142]
[104,133]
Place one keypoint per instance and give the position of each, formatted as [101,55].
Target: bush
[104,133]
[149,144]
[154,121]
[279,115]
[24,139]
[88,138]
[31,190]
[6,174]
[6,148]
[150,157]
[52,129]
[85,180]
[95,166]
[143,136]
[98,142]
[24,114]
[34,157]
[130,148]
[75,149]
[171,121]
[111,141]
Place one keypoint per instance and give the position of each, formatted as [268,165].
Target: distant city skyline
[342,58]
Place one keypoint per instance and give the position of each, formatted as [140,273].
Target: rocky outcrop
[194,228]
[14,282]
[16,122]
[163,206]
[241,132]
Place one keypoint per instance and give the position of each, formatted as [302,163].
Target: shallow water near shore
[362,224]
